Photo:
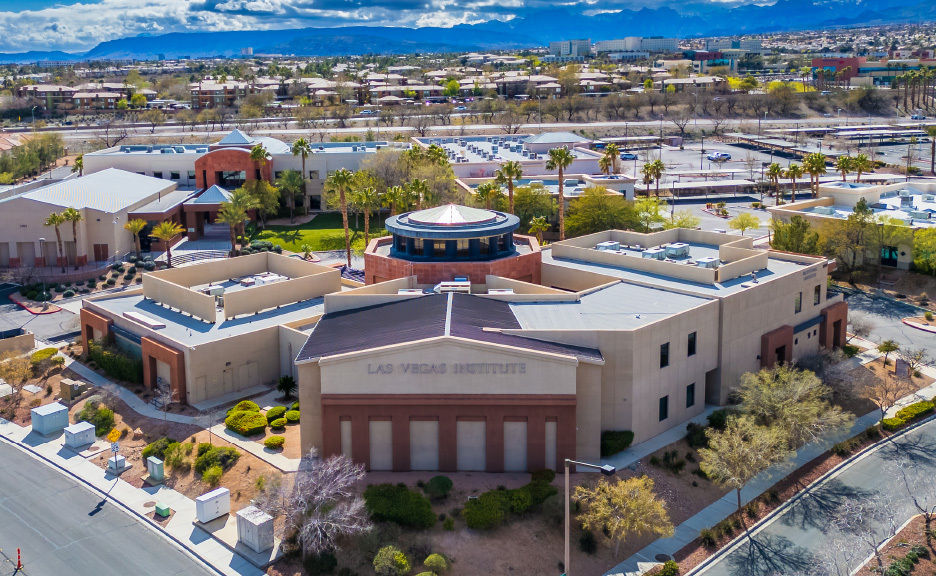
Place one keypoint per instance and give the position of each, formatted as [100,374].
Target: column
[448,442]
[494,435]
[401,439]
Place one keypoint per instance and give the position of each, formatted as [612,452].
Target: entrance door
[424,445]
[471,445]
[889,256]
[551,435]
[381,445]
[781,354]
[201,385]
[228,376]
[515,446]
[837,334]
[4,254]
[101,252]
[27,253]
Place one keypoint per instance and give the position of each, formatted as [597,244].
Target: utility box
[255,529]
[214,504]
[80,434]
[116,464]
[154,467]
[49,419]
[70,389]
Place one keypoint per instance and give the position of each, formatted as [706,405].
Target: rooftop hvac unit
[410,291]
[904,193]
[149,149]
[167,151]
[708,262]
[654,254]
[459,287]
[824,210]
[489,138]
[201,150]
[500,291]
[179,149]
[919,215]
[609,245]
[570,182]
[928,198]
[906,201]
[526,154]
[494,149]
[677,250]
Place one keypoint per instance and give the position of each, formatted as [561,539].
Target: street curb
[817,483]
[146,521]
[918,326]
[26,308]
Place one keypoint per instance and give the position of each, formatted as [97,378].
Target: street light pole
[33,112]
[606,470]
[661,137]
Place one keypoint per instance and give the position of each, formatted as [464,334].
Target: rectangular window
[157,175]
[277,174]
[664,355]
[817,294]
[463,251]
[174,176]
[191,174]
[664,408]
[692,342]
[439,249]
[798,303]
[690,395]
[313,174]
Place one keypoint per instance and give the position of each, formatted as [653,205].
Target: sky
[75,26]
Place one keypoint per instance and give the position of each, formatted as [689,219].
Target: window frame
[664,354]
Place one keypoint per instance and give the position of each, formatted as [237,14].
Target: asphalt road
[803,538]
[885,315]
[44,326]
[64,529]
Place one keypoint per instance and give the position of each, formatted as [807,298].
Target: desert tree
[915,358]
[887,348]
[287,385]
[741,451]
[794,401]
[860,325]
[623,508]
[15,368]
[886,391]
[318,504]
[209,418]
[870,520]
[744,221]
[917,481]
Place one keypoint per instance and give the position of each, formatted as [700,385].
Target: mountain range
[686,20]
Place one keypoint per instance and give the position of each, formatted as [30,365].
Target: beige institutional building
[622,331]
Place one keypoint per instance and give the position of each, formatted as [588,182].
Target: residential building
[571,48]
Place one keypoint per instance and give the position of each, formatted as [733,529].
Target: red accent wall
[536,410]
[153,351]
[228,160]
[782,336]
[89,322]
[379,268]
[837,312]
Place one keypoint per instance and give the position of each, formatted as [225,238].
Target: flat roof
[621,306]
[775,269]
[167,201]
[109,191]
[480,145]
[192,331]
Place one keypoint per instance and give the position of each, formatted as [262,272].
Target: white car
[719,156]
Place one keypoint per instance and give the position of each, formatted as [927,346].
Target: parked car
[719,156]
[366,112]
[628,156]
[918,117]
[825,93]
[461,108]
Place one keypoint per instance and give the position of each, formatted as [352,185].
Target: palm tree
[134,227]
[366,200]
[241,202]
[538,225]
[815,165]
[506,175]
[341,180]
[166,231]
[604,164]
[559,160]
[301,147]
[774,173]
[259,156]
[419,189]
[613,154]
[291,185]
[74,216]
[931,131]
[861,164]
[843,164]
[647,171]
[78,166]
[55,220]
[488,193]
[793,172]
[232,216]
[395,197]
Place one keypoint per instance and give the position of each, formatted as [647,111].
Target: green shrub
[203,448]
[519,500]
[68,294]
[100,416]
[222,456]
[111,282]
[391,561]
[275,413]
[175,456]
[486,511]
[158,448]
[278,424]
[670,568]
[212,476]
[545,475]
[915,410]
[436,563]
[398,504]
[295,405]
[540,491]
[587,542]
[928,315]
[32,295]
[116,363]
[449,524]
[614,441]
[114,274]
[324,563]
[40,356]
[707,537]
[245,406]
[292,416]
[695,435]
[246,423]
[718,419]
[274,442]
[845,447]
[892,424]
[438,487]
[128,277]
[102,277]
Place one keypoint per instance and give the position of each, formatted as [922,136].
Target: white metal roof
[110,191]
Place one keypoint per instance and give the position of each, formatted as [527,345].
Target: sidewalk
[180,528]
[689,530]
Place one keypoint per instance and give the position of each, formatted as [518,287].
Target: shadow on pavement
[815,510]
[767,555]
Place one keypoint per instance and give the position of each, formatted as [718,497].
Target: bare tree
[422,122]
[681,122]
[871,521]
[209,418]
[113,133]
[915,358]
[918,482]
[163,397]
[860,326]
[318,503]
[885,392]
[750,162]
[509,119]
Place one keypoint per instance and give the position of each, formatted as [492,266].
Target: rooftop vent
[500,291]
[608,246]
[708,262]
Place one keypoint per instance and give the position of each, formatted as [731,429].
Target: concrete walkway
[629,457]
[180,528]
[689,530]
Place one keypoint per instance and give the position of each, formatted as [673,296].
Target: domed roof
[451,215]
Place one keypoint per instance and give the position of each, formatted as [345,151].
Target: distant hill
[694,18]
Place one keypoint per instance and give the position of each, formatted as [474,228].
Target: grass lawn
[324,232]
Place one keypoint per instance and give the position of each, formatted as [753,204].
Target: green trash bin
[162,510]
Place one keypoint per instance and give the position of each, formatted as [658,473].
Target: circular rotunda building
[441,243]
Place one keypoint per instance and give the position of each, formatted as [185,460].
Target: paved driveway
[885,316]
[65,529]
[801,539]
[44,326]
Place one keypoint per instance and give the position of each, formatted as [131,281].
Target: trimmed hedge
[295,405]
[246,423]
[545,475]
[245,406]
[438,487]
[908,414]
[614,441]
[115,363]
[486,511]
[292,416]
[274,442]
[278,423]
[275,413]
[397,503]
[40,356]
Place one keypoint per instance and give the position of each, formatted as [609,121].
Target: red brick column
[772,340]
[91,321]
[830,315]
[153,351]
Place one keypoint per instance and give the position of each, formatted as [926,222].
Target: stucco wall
[167,292]
[257,298]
